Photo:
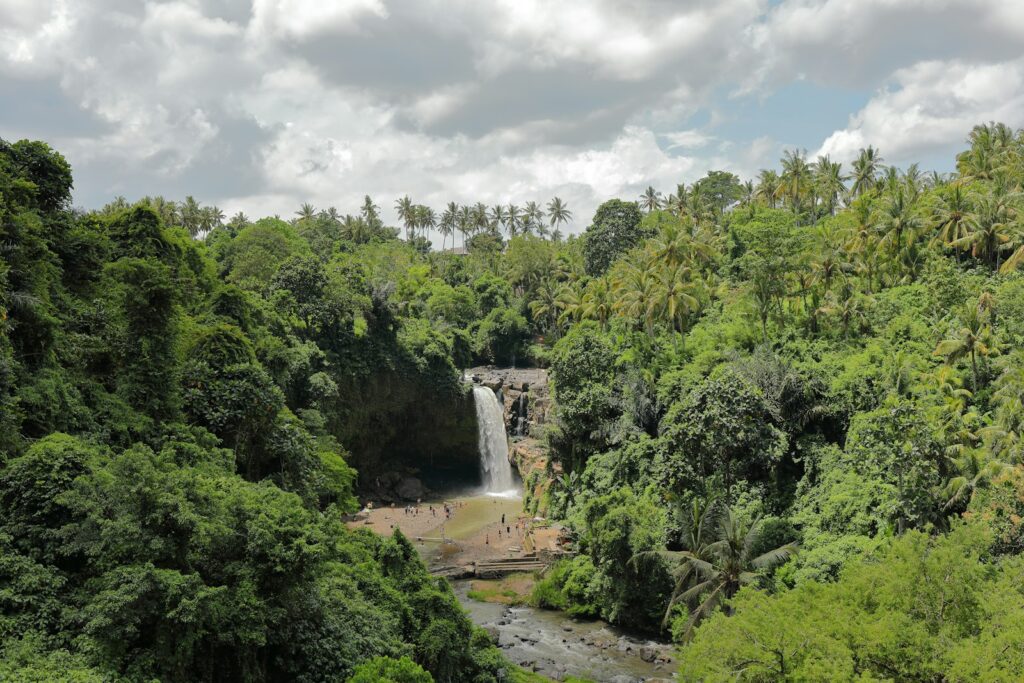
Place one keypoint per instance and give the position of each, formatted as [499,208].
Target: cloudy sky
[260,105]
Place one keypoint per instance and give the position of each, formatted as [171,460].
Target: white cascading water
[493,443]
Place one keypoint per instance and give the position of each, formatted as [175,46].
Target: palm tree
[719,561]
[828,179]
[951,216]
[406,211]
[596,302]
[426,219]
[514,220]
[497,217]
[795,181]
[306,212]
[650,200]
[674,296]
[989,228]
[974,471]
[239,221]
[480,219]
[635,292]
[767,187]
[972,339]
[465,222]
[370,213]
[533,216]
[672,245]
[676,203]
[449,223]
[547,305]
[558,213]
[849,309]
[699,529]
[210,217]
[900,222]
[191,215]
[865,171]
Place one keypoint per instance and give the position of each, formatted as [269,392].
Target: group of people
[520,525]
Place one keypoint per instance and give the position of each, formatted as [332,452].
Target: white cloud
[687,139]
[299,19]
[930,106]
[260,107]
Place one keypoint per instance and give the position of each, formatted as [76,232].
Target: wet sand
[472,530]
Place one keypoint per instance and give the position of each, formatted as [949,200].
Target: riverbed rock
[648,654]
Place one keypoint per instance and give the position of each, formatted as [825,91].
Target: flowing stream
[495,468]
[556,646]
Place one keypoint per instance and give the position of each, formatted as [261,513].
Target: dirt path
[473,526]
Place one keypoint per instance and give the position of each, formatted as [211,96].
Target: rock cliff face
[526,398]
[523,393]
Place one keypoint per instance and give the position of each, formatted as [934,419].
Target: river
[556,646]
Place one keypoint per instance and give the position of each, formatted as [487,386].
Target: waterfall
[492,442]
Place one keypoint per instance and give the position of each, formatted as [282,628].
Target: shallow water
[556,646]
[548,642]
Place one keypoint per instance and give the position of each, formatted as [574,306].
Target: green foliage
[164,512]
[921,609]
[182,421]
[614,230]
[388,670]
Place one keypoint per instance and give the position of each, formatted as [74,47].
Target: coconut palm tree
[533,217]
[370,213]
[650,200]
[828,181]
[975,471]
[849,309]
[635,293]
[597,302]
[558,213]
[306,212]
[514,219]
[480,219]
[951,217]
[899,222]
[449,223]
[972,339]
[239,221]
[426,219]
[406,211]
[191,216]
[546,305]
[699,522]
[675,297]
[990,228]
[865,171]
[767,188]
[497,217]
[719,561]
[795,181]
[465,222]
[671,246]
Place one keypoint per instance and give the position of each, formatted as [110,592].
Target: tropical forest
[740,429]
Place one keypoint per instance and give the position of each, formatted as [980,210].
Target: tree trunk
[974,369]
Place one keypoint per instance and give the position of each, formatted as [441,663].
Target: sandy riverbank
[474,528]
